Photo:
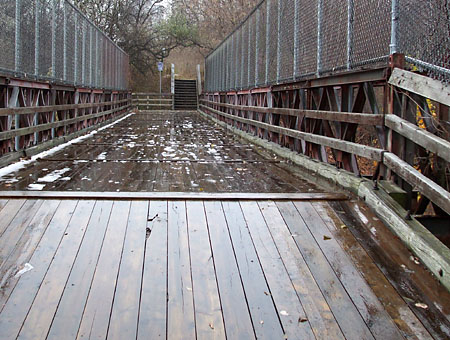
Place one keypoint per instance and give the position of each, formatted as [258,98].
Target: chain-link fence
[290,40]
[53,40]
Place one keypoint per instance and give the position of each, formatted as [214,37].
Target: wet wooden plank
[16,228]
[125,311]
[8,213]
[238,324]
[287,303]
[70,309]
[2,204]
[208,313]
[180,304]
[25,247]
[40,315]
[344,311]
[318,312]
[392,302]
[262,309]
[174,195]
[370,308]
[412,280]
[153,305]
[95,320]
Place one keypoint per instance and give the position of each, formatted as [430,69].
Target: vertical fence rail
[299,39]
[52,40]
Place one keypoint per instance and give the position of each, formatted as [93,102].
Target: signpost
[160,68]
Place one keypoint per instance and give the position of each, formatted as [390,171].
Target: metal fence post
[393,47]
[296,22]
[267,41]
[18,33]
[53,39]
[90,54]
[65,43]
[279,42]
[36,37]
[319,36]
[350,8]
[83,53]
[75,58]
[258,14]
[242,56]
[249,53]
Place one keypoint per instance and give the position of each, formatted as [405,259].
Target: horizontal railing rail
[413,148]
[153,101]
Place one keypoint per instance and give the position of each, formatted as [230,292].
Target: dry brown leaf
[211,325]
[300,319]
[325,237]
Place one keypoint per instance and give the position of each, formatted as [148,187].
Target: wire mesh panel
[261,34]
[424,35]
[251,50]
[244,58]
[285,48]
[307,38]
[272,41]
[371,32]
[52,40]
[333,32]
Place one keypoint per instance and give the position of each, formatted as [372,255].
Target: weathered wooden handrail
[52,108]
[354,148]
[153,101]
[43,127]
[345,117]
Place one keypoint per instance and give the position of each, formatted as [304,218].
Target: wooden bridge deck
[299,264]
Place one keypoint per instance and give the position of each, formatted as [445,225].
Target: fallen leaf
[26,268]
[421,305]
[344,226]
[300,319]
[211,325]
[284,313]
[325,237]
[266,293]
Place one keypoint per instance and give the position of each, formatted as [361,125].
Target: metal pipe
[279,41]
[53,73]
[319,36]
[36,36]
[267,41]
[258,14]
[65,43]
[296,28]
[350,14]
[17,49]
[393,48]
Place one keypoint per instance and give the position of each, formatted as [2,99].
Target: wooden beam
[353,148]
[51,108]
[42,127]
[421,85]
[171,195]
[426,186]
[346,117]
[426,139]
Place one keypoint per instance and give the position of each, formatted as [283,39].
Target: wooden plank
[350,147]
[208,313]
[410,326]
[15,310]
[17,227]
[172,195]
[153,305]
[43,309]
[8,213]
[50,108]
[67,319]
[180,304]
[3,203]
[336,116]
[287,303]
[96,315]
[318,312]
[262,309]
[421,85]
[344,311]
[426,139]
[426,186]
[368,305]
[238,324]
[125,310]
[25,247]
